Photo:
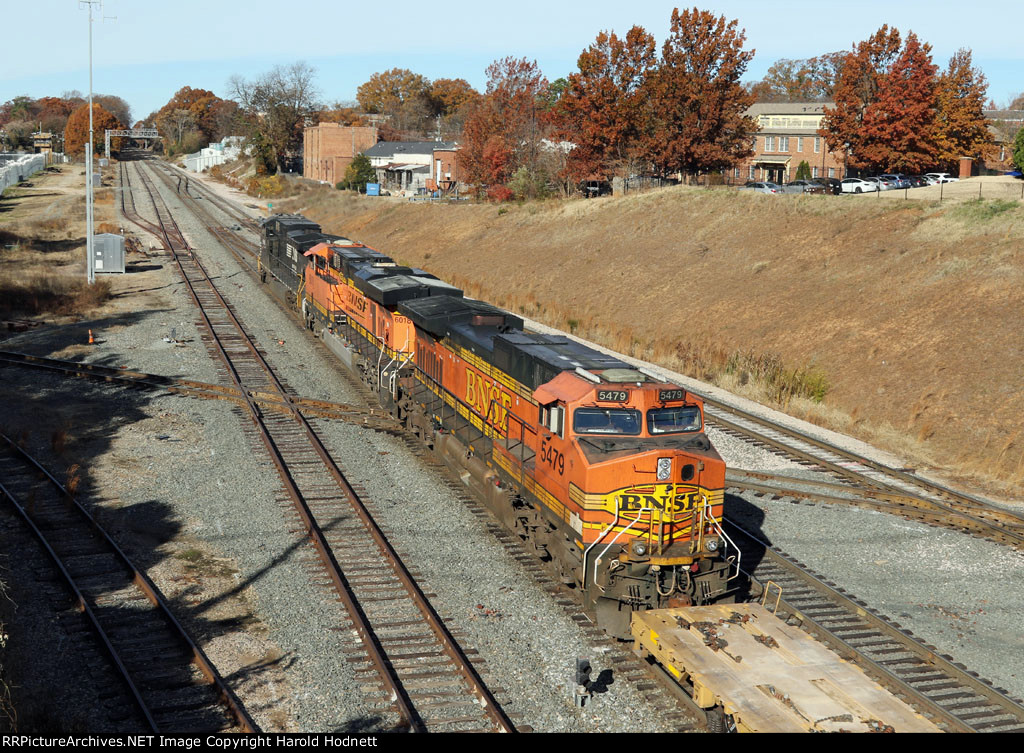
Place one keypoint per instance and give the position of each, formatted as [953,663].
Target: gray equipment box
[108,253]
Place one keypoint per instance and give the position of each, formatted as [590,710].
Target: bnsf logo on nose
[658,502]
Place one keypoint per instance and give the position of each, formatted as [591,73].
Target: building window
[814,172]
[783,143]
[752,168]
[736,173]
[831,172]
[817,144]
[769,143]
[799,144]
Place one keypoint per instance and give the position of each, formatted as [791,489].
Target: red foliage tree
[695,96]
[601,110]
[503,128]
[899,126]
[884,112]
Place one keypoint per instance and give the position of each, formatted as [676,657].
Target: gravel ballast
[218,496]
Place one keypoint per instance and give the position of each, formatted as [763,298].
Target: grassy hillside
[899,322]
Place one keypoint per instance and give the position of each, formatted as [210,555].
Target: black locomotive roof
[389,285]
[473,324]
[534,359]
[305,239]
[280,223]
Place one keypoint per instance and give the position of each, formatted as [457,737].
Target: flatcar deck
[769,676]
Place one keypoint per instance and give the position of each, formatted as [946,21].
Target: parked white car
[856,185]
[935,178]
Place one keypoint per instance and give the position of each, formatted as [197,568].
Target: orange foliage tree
[601,110]
[190,108]
[961,128]
[76,134]
[449,95]
[807,80]
[391,90]
[696,101]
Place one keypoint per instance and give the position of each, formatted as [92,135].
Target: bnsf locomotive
[603,467]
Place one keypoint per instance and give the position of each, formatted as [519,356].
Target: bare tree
[277,106]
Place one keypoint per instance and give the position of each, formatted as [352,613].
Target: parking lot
[985,187]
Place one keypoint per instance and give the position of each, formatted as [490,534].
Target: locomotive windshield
[606,421]
[673,420]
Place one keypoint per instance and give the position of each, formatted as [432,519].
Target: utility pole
[89,210]
[90,261]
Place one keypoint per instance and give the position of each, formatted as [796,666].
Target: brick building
[787,136]
[329,148]
[445,173]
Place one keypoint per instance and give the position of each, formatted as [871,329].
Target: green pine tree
[358,174]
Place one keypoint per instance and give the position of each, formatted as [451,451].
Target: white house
[215,154]
[404,165]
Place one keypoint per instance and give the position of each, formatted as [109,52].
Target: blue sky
[154,48]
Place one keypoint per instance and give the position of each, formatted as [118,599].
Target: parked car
[856,185]
[942,178]
[1014,173]
[762,187]
[884,184]
[898,180]
[918,181]
[832,185]
[804,186]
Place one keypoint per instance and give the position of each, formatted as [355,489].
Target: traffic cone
[91,341]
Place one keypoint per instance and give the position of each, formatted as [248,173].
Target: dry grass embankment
[42,246]
[898,322]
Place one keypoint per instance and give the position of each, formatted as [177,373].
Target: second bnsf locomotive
[603,467]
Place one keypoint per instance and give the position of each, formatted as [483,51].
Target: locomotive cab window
[606,421]
[673,420]
[552,418]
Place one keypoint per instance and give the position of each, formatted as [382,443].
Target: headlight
[664,469]
[639,548]
[711,544]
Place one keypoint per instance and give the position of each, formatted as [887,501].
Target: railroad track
[419,670]
[993,523]
[370,418]
[934,684]
[163,673]
[952,696]
[907,494]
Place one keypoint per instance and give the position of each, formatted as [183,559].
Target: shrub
[500,193]
[527,184]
